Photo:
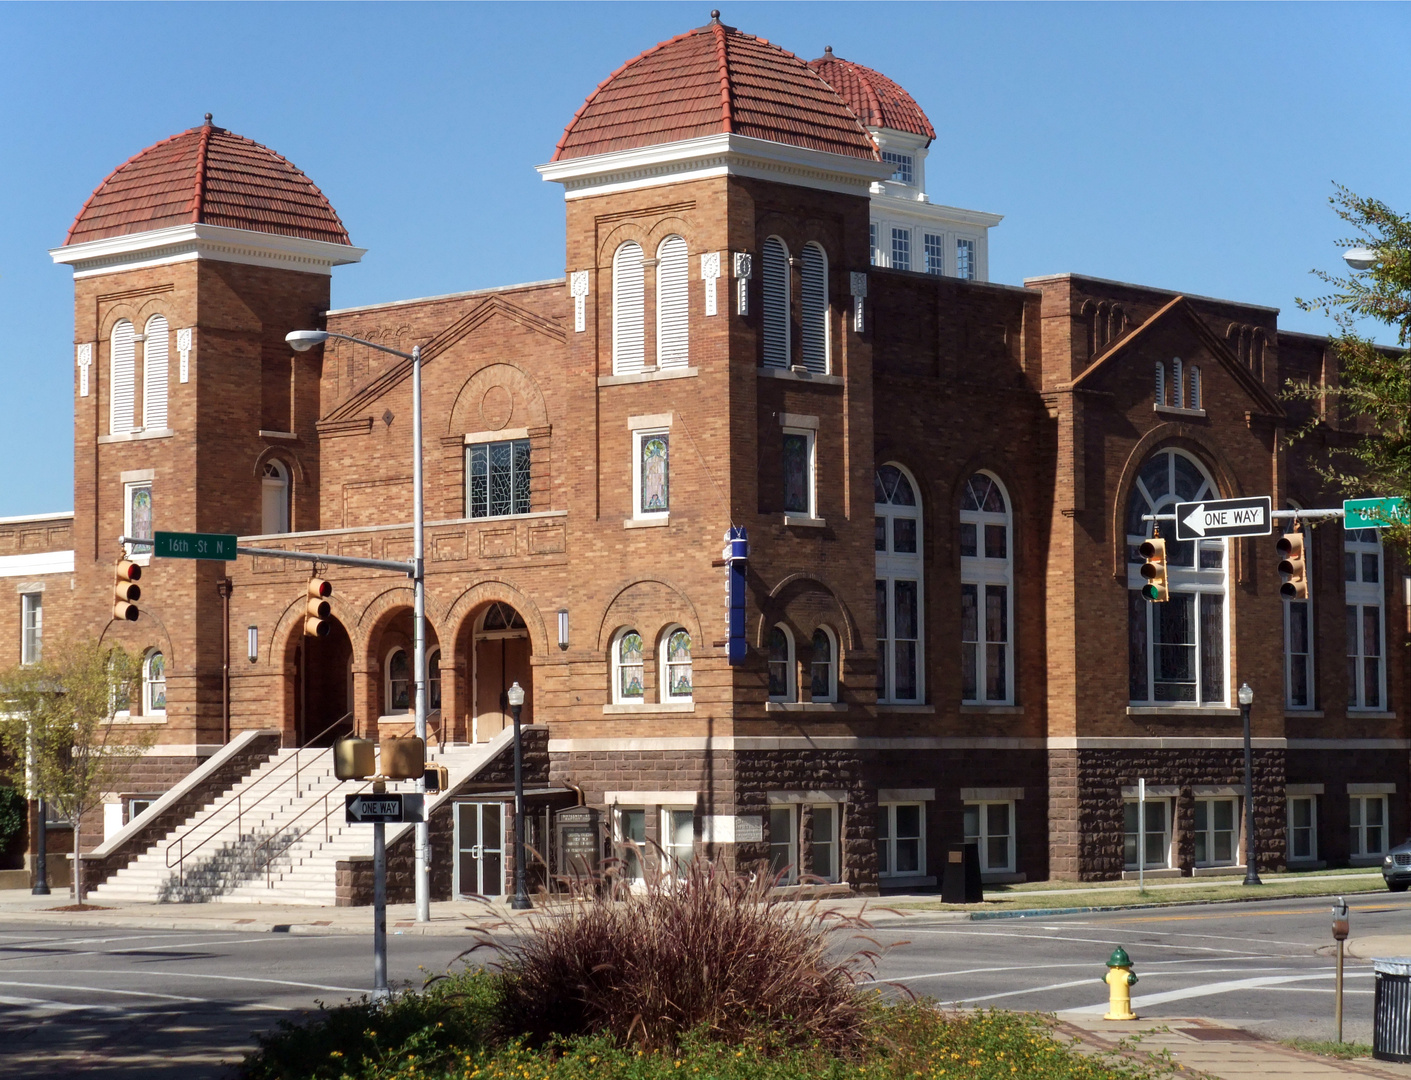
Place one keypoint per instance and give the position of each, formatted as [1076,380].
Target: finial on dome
[827,50]
[715,15]
[208,119]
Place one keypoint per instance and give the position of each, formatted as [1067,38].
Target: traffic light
[317,612]
[1154,569]
[1291,565]
[126,592]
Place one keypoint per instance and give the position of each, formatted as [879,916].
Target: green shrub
[707,951]
[13,810]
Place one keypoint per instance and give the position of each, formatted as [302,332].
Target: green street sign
[1372,513]
[173,545]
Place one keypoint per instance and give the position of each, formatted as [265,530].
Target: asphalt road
[170,1004]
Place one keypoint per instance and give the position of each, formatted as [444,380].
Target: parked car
[1396,867]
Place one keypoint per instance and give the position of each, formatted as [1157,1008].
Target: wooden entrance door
[501,659]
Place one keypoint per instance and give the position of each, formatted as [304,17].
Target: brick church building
[766,321]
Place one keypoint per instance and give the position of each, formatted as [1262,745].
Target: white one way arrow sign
[1225,517]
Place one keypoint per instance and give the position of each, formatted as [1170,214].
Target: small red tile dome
[876,100]
[207,175]
[710,81]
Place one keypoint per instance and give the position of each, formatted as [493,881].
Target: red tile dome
[207,175]
[710,81]
[876,100]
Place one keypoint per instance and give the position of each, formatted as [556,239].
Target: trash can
[960,881]
[1391,1010]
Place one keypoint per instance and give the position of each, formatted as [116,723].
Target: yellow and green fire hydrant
[1119,980]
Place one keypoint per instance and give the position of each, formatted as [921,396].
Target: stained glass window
[900,665]
[779,662]
[500,616]
[678,664]
[629,667]
[798,484]
[155,683]
[398,682]
[655,474]
[433,681]
[822,688]
[139,522]
[497,478]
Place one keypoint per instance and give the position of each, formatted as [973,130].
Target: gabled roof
[207,175]
[709,81]
[877,100]
[1180,308]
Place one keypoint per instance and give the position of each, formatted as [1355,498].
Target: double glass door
[480,849]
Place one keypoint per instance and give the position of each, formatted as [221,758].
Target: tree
[58,732]
[1374,382]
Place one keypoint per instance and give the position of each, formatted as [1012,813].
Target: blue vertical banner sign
[736,556]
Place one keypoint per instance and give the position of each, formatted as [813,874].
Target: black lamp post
[1251,873]
[515,696]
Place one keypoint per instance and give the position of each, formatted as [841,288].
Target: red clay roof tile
[710,81]
[876,100]
[207,175]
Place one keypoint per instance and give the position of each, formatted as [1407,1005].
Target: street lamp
[515,696]
[1360,258]
[1251,874]
[303,341]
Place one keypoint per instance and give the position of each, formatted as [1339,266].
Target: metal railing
[179,844]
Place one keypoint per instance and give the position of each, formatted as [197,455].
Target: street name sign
[1225,517]
[174,545]
[369,809]
[1372,513]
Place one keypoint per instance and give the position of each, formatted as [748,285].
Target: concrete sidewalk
[1218,1050]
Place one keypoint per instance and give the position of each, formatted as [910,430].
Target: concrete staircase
[276,837]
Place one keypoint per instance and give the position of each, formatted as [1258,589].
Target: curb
[983,916]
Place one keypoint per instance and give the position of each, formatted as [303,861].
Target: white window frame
[832,639]
[1360,595]
[810,479]
[639,436]
[156,373]
[900,234]
[892,567]
[1306,604]
[140,555]
[676,855]
[122,372]
[634,869]
[888,843]
[874,231]
[815,319]
[1210,830]
[673,344]
[1155,860]
[1312,827]
[268,486]
[388,698]
[149,685]
[934,244]
[983,836]
[1357,825]
[835,843]
[31,627]
[1183,580]
[489,445]
[774,322]
[903,163]
[967,269]
[981,571]
[628,357]
[791,690]
[664,665]
[616,665]
[790,869]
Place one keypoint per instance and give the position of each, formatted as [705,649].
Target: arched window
[824,666]
[1362,579]
[1298,634]
[986,593]
[627,670]
[433,681]
[1160,383]
[1177,653]
[122,384]
[1193,394]
[776,303]
[1178,386]
[155,351]
[781,665]
[673,304]
[900,654]
[675,675]
[154,684]
[814,324]
[399,682]
[628,310]
[274,498]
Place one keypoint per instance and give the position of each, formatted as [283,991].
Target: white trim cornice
[185,243]
[709,156]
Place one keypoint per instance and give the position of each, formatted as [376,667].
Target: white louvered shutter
[122,385]
[815,309]
[776,303]
[628,310]
[155,354]
[673,300]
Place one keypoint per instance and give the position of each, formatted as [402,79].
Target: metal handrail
[180,842]
[327,833]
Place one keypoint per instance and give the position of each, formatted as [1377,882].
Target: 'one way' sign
[1224,517]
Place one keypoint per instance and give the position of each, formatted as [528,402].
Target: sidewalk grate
[1219,1034]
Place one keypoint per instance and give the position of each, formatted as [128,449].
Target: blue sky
[1187,146]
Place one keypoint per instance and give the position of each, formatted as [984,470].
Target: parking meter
[1340,925]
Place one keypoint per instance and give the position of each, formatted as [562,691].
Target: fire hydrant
[1119,980]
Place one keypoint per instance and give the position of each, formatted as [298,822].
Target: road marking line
[55,1006]
[1090,941]
[1035,990]
[102,990]
[127,973]
[1211,989]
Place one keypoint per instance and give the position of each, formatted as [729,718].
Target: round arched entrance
[323,686]
[500,657]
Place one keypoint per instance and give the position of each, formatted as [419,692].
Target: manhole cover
[1220,1034]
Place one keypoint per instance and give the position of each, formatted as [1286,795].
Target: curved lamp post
[303,341]
[515,696]
[1251,874]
